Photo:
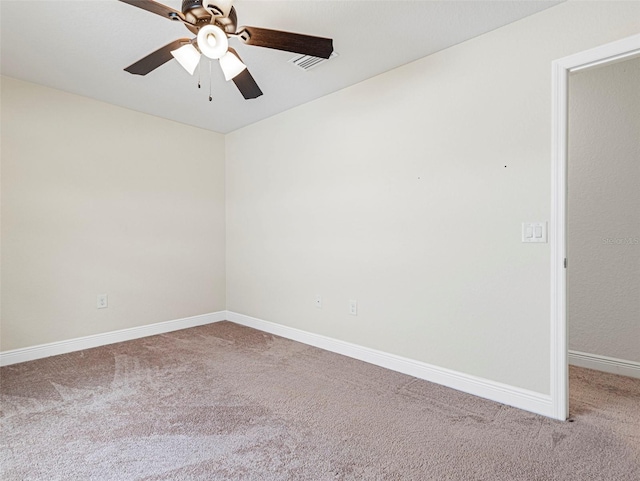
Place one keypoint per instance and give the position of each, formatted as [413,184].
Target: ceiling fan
[214,22]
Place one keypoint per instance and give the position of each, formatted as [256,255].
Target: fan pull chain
[210,98]
[199,74]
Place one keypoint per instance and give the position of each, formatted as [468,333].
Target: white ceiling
[82,47]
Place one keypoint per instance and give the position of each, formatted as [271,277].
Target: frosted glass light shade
[188,57]
[212,41]
[231,66]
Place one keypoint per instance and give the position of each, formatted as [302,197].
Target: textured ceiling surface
[82,47]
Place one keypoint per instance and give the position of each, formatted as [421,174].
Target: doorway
[603,218]
[561,69]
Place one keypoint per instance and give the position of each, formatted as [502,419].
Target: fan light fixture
[231,66]
[188,56]
[213,22]
[212,41]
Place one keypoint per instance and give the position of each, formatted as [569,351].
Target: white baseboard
[495,391]
[603,363]
[62,347]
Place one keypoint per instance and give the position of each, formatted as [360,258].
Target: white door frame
[612,52]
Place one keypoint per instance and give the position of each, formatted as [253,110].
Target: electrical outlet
[319,302]
[102,301]
[353,307]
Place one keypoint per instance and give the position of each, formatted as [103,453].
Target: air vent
[307,62]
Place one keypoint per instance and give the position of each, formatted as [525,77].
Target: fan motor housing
[195,13]
[189,4]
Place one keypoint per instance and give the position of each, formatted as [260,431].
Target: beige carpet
[224,402]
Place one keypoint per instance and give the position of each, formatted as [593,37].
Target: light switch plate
[534,232]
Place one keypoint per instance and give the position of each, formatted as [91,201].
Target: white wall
[99,199]
[407,192]
[604,211]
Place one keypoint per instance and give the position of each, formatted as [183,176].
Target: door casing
[612,52]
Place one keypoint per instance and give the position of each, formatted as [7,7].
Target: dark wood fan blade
[157,58]
[290,42]
[247,85]
[245,82]
[157,8]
